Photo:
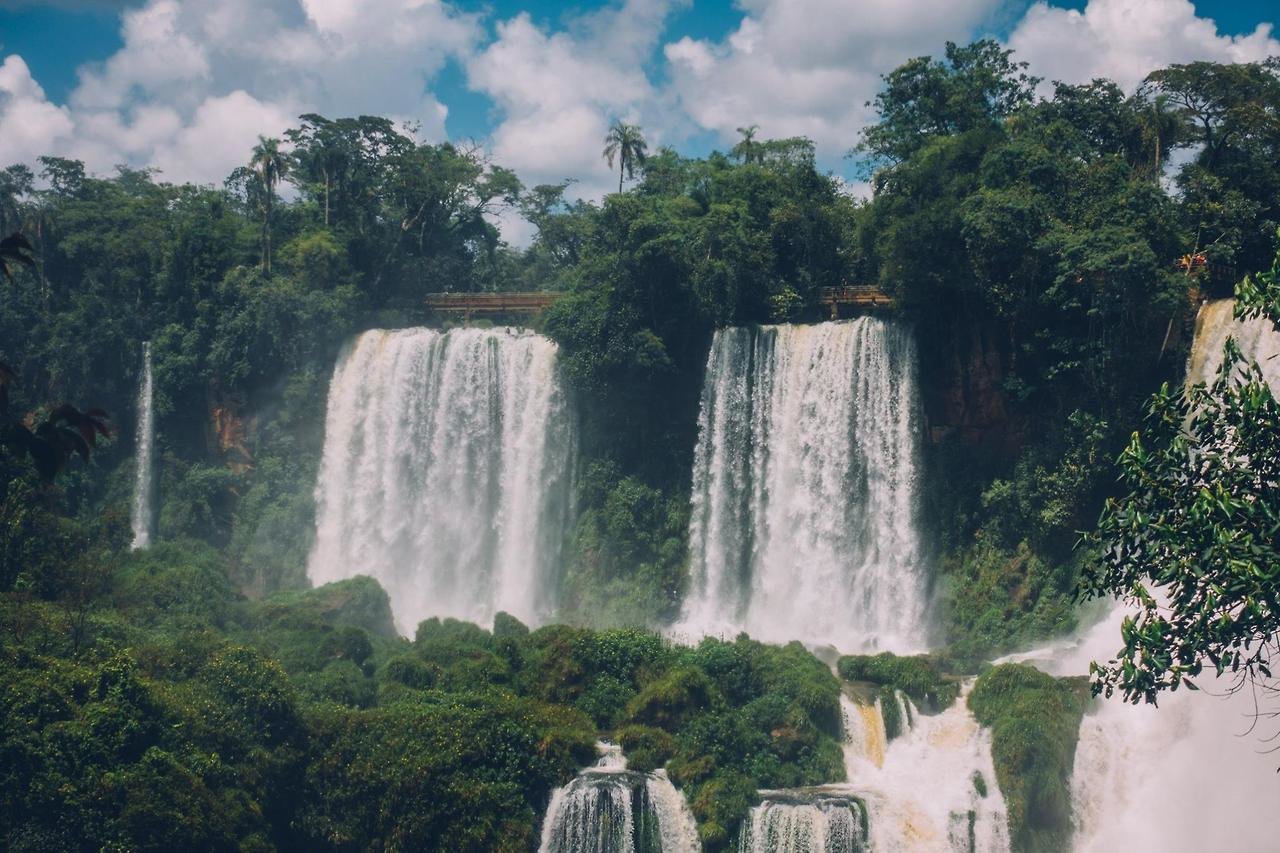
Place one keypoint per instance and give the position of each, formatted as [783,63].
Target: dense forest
[1050,251]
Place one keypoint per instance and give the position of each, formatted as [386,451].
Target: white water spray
[1194,773]
[144,478]
[933,787]
[446,473]
[804,505]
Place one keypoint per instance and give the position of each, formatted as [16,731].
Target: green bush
[918,676]
[1035,723]
[647,748]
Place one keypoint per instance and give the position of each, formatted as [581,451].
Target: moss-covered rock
[918,676]
[1035,724]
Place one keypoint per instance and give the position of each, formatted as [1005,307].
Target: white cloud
[1127,39]
[808,69]
[197,81]
[29,125]
[558,92]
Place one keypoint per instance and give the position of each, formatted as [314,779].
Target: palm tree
[747,149]
[1162,126]
[269,165]
[626,142]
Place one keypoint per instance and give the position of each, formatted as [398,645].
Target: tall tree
[269,165]
[626,143]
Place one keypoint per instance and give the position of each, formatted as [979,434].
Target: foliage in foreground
[1196,542]
[182,715]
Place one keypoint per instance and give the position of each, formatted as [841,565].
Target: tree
[626,143]
[269,165]
[1195,544]
[972,87]
[747,150]
[1231,188]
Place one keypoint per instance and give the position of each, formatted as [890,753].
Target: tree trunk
[622,165]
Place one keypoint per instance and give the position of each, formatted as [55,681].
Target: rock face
[963,389]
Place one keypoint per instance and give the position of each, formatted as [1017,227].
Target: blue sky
[187,85]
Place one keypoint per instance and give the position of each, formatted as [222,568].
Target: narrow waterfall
[446,472]
[144,477]
[931,788]
[610,809]
[804,505]
[805,821]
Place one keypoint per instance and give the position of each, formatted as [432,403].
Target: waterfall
[144,478]
[804,503]
[931,788]
[610,809]
[1145,778]
[815,821]
[446,472]
[1257,339]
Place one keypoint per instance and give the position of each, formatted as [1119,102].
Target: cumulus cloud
[197,81]
[29,124]
[808,69]
[1127,39]
[559,91]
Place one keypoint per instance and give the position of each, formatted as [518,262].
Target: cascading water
[819,820]
[144,478]
[610,809]
[1193,773]
[804,502]
[1256,338]
[446,472]
[931,788]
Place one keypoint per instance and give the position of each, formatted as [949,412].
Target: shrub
[1035,723]
[916,676]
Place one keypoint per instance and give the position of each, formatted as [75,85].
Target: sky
[187,86]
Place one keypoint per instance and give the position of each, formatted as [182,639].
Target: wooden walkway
[858,297]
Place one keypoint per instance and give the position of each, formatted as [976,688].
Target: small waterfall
[610,809]
[144,478]
[804,504]
[931,788]
[815,821]
[1257,339]
[446,472]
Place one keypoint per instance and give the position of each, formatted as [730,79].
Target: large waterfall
[610,809]
[144,477]
[805,487]
[446,472]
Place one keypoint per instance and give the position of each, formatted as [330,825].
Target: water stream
[143,514]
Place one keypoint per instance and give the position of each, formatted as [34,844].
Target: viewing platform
[858,297]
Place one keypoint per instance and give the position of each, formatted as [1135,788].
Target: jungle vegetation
[199,695]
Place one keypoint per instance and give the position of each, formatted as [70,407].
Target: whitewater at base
[446,474]
[610,809]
